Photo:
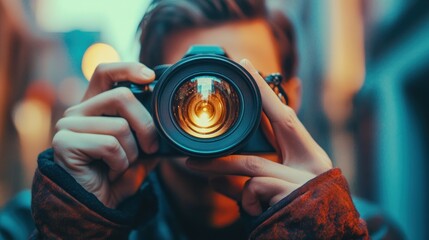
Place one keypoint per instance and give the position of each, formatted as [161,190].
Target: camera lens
[205,106]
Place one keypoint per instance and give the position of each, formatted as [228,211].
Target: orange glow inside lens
[206,106]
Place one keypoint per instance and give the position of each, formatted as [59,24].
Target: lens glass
[206,106]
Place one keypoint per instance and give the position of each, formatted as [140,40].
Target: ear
[293,90]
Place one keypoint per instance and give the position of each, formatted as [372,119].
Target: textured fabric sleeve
[320,209]
[62,209]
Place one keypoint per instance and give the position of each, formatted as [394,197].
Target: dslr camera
[205,105]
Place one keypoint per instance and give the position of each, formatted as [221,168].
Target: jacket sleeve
[320,209]
[62,209]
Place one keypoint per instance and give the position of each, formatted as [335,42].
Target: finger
[283,118]
[294,141]
[230,186]
[280,115]
[114,126]
[121,102]
[75,151]
[107,74]
[270,102]
[259,193]
[251,166]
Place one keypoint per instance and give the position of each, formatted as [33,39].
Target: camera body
[205,105]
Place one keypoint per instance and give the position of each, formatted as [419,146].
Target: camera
[205,105]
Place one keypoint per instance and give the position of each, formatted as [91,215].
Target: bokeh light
[115,20]
[96,54]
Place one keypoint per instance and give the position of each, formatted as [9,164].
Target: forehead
[245,39]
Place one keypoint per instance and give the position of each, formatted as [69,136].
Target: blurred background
[364,65]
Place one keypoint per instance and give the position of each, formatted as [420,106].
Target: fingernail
[247,64]
[244,62]
[147,72]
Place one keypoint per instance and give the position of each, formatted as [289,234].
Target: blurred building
[364,68]
[392,113]
[16,54]
[37,65]
[49,50]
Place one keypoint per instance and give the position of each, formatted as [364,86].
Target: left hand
[256,181]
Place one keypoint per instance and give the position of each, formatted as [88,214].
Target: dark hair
[166,16]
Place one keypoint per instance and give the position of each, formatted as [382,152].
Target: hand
[94,142]
[256,181]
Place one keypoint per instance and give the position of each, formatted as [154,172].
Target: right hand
[94,142]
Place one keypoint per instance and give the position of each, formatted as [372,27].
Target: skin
[99,130]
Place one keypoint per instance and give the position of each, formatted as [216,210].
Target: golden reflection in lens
[204,114]
[206,106]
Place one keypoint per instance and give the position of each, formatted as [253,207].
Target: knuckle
[59,140]
[122,96]
[112,145]
[148,120]
[122,127]
[253,164]
[290,119]
[56,141]
[147,127]
[63,147]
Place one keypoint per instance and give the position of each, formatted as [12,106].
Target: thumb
[260,193]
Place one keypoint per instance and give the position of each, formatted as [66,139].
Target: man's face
[248,39]
[244,39]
